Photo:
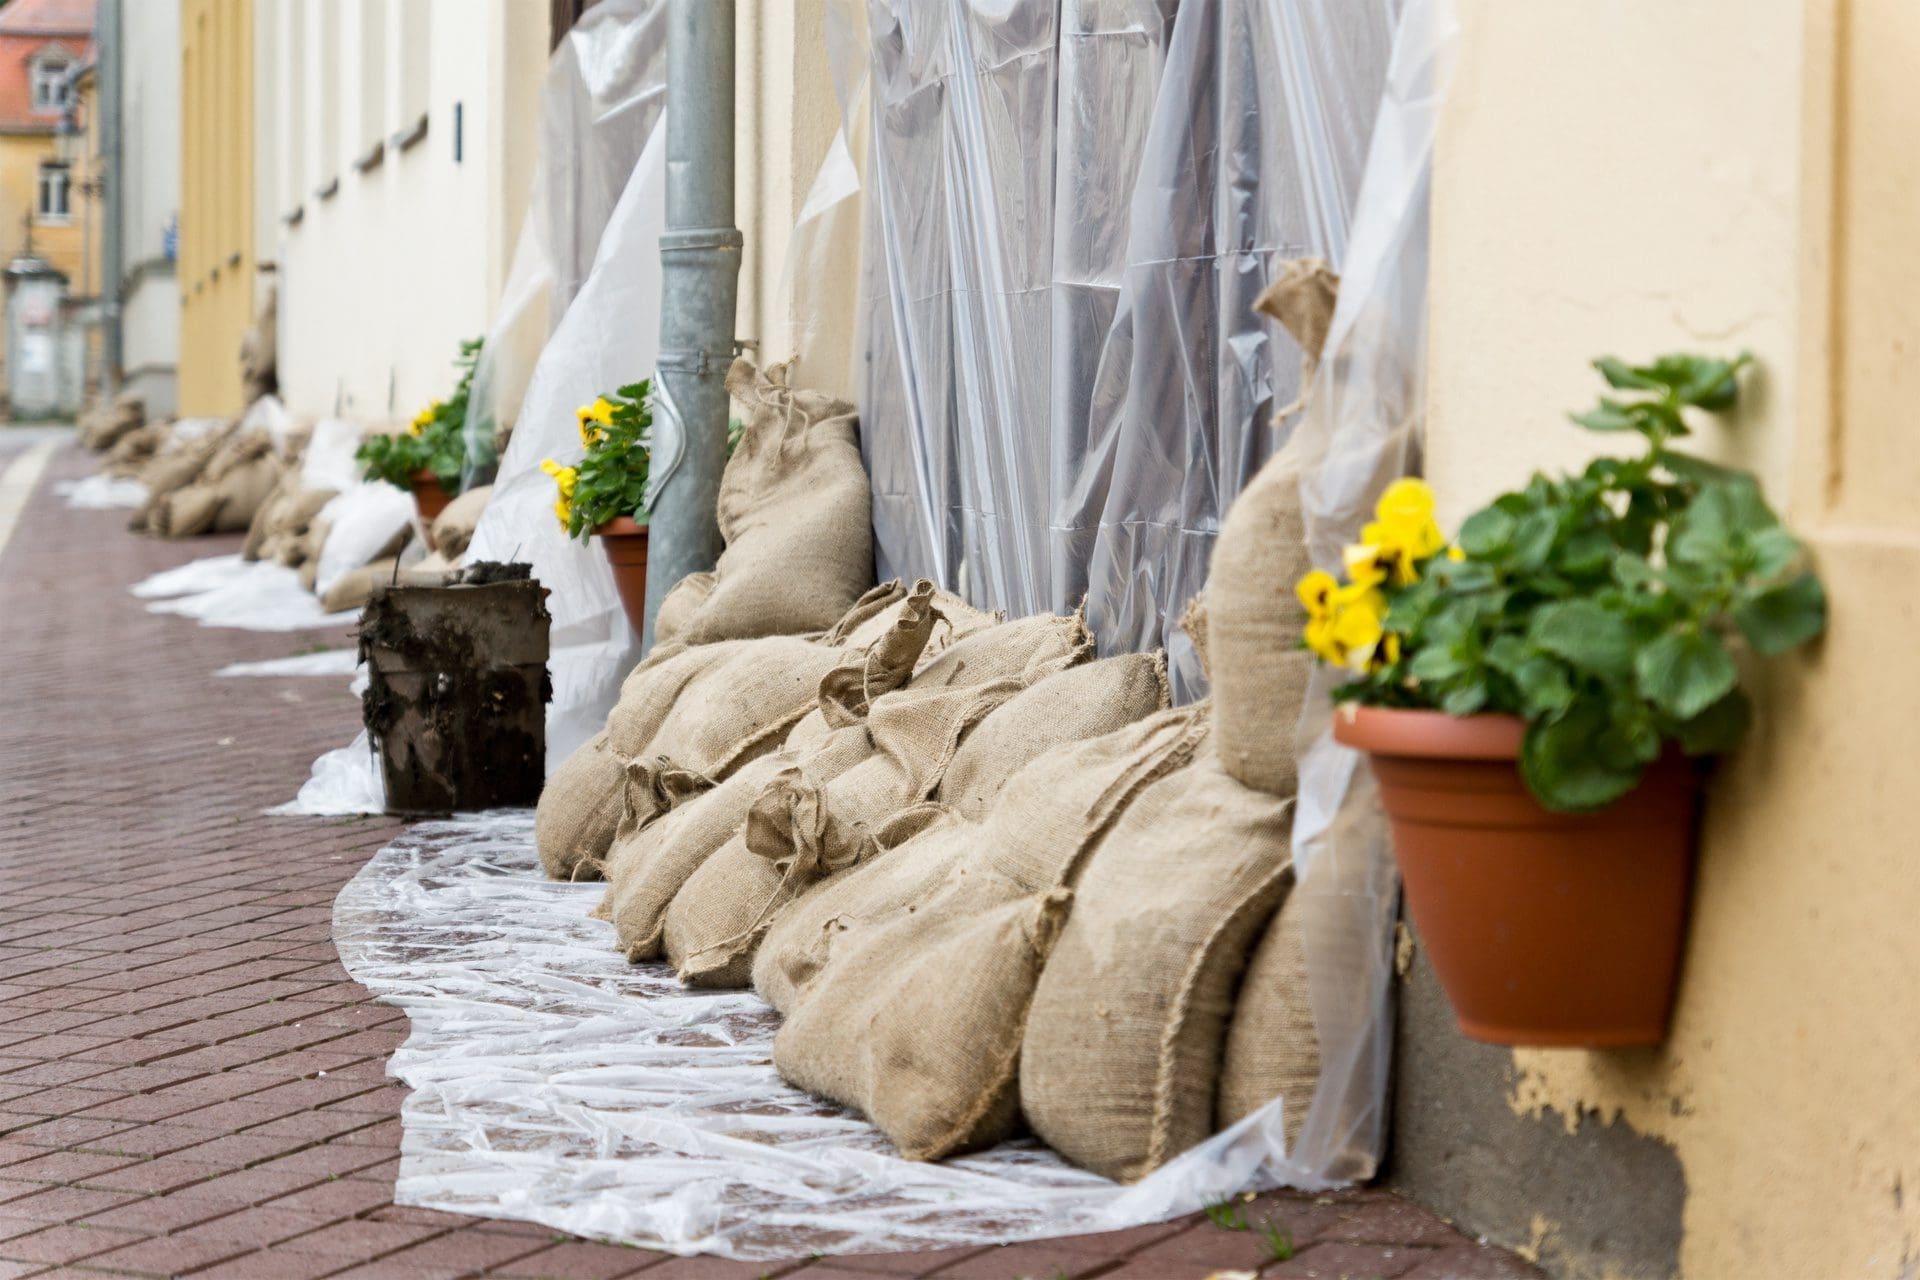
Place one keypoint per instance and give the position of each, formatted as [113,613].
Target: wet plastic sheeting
[1071,210]
[554,1081]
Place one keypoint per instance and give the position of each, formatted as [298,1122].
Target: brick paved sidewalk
[190,1085]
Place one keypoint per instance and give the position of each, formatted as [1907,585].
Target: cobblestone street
[189,1082]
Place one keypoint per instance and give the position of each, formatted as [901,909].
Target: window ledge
[52,219]
[405,139]
[370,159]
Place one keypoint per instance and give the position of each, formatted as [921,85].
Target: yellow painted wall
[216,263]
[1643,176]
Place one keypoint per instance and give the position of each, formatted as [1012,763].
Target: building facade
[401,155]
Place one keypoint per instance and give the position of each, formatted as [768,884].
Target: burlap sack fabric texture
[1121,1064]
[236,481]
[794,510]
[175,469]
[679,606]
[134,450]
[279,531]
[804,826]
[452,529]
[105,425]
[649,864]
[1273,1048]
[704,710]
[915,1011]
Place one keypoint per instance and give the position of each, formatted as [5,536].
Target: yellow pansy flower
[1366,564]
[563,511]
[1317,591]
[593,419]
[1403,530]
[564,478]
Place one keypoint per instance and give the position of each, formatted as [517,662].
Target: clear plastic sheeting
[102,493]
[226,591]
[1361,428]
[554,1081]
[1071,210]
[326,662]
[345,780]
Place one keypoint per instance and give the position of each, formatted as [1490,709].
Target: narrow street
[189,1082]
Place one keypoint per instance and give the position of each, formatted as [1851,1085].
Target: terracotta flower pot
[625,543]
[431,498]
[1544,928]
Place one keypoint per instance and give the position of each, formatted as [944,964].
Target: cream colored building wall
[382,276]
[150,196]
[786,116]
[1638,177]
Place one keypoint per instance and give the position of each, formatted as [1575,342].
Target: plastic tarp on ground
[556,1082]
[1071,211]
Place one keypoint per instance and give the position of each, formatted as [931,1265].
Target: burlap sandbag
[1253,620]
[911,1004]
[650,860]
[172,470]
[925,1015]
[134,450]
[452,529]
[1072,706]
[1121,1063]
[700,710]
[1273,1049]
[795,511]
[679,606]
[284,525]
[1254,624]
[230,490]
[805,827]
[106,425]
[355,587]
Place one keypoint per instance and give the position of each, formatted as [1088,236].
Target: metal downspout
[110,98]
[700,280]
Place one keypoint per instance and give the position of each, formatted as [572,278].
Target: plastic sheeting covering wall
[1071,210]
[603,187]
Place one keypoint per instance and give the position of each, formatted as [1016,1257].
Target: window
[50,90]
[55,193]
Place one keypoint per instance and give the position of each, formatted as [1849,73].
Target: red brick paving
[189,1083]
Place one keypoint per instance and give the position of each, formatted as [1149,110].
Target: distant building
[136,137]
[397,156]
[45,214]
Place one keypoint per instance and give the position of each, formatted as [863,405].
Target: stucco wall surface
[1639,177]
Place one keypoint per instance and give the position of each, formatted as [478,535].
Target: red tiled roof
[47,18]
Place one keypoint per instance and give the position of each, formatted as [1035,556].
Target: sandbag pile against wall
[650,864]
[1121,1064]
[794,509]
[914,1010]
[805,826]
[227,494]
[707,709]
[133,450]
[280,528]
[174,469]
[102,426]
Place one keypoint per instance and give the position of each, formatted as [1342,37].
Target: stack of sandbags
[795,511]
[355,542]
[103,425]
[708,709]
[229,491]
[174,468]
[281,525]
[815,818]
[906,982]
[132,451]
[452,530]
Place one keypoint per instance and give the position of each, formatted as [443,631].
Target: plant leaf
[1685,672]
[1563,767]
[1777,619]
[1587,634]
[1719,728]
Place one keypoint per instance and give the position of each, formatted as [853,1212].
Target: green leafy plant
[1226,1216]
[434,441]
[610,481]
[1606,608]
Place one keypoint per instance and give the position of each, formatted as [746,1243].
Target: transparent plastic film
[554,1081]
[1361,428]
[605,87]
[1070,211]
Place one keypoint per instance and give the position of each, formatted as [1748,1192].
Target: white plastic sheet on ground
[325,662]
[226,591]
[555,1082]
[345,780]
[102,493]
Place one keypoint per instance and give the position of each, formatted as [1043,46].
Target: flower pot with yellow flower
[427,460]
[603,495]
[1537,701]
